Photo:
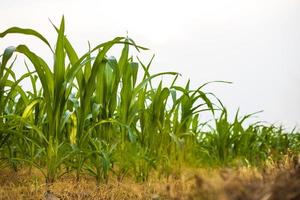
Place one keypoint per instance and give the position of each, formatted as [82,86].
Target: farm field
[94,126]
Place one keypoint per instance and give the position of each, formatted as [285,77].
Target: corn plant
[57,86]
[101,115]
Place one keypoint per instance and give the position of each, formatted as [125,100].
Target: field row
[107,116]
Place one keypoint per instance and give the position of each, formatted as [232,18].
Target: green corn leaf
[17,30]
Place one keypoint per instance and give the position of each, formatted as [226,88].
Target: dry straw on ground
[202,184]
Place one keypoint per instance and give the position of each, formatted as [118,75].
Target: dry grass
[205,184]
[272,183]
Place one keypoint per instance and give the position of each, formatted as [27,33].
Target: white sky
[253,43]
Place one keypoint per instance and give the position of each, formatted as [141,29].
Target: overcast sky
[253,43]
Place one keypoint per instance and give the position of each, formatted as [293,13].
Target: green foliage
[251,145]
[93,114]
